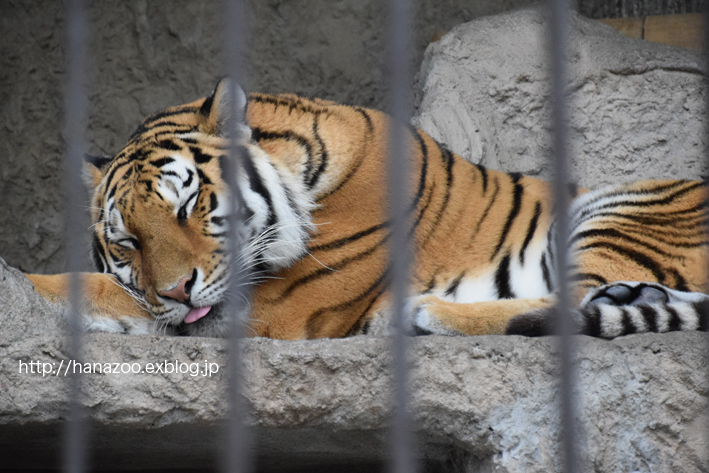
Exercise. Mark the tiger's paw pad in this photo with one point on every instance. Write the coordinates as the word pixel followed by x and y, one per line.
pixel 624 293
pixel 639 293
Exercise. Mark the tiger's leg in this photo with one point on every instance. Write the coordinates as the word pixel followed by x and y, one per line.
pixel 433 315
pixel 107 306
pixel 622 308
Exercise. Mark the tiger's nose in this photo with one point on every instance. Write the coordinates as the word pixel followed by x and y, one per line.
pixel 181 292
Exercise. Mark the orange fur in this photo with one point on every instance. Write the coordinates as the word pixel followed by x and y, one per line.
pixel 465 220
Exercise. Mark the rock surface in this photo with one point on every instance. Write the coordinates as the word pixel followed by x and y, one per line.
pixel 636 107
pixel 146 56
pixel 480 404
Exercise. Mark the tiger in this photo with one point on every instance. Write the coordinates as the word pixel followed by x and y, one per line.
pixel 312 184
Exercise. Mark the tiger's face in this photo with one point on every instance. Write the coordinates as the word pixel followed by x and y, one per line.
pixel 160 212
pixel 160 224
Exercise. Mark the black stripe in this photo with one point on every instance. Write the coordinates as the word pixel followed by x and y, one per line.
pixel 702 311
pixel 650 316
pixel 258 186
pixel 98 254
pixel 206 107
pixel 169 113
pixel 422 211
pixel 213 202
pixel 489 206
pixel 638 258
pixel 679 282
pixel 454 284
pixel 152 121
pixel 363 155
pixel 532 227
pixel 514 211
pixel 367 118
pixel 615 234
pixel 323 155
pixel 592 318
pixel 596 211
pixel 545 273
pixel 502 279
pixel 169 145
pixel 483 173
pixel 289 102
pixel 319 273
pixel 429 286
pixel 111 175
pixel 343 241
pixel 344 305
pixel 424 167
pixel 675 324
pixel 365 327
pixel 199 156
pixel 98 161
pixel 448 160
pixel 583 276
pixel 190 176
pixel 203 178
pixel 628 325
pixel 259 135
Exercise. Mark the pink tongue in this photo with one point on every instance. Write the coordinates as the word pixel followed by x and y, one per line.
pixel 197 313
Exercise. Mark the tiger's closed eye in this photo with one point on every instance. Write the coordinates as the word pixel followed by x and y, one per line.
pixel 129 242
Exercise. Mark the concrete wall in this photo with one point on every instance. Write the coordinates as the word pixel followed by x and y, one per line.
pixel 149 55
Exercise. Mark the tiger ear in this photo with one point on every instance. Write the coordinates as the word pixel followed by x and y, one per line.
pixel 217 110
pixel 94 169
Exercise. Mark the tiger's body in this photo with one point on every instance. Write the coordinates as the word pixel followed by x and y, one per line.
pixel 314 190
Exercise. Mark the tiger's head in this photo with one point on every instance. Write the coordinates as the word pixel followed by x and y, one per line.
pixel 160 212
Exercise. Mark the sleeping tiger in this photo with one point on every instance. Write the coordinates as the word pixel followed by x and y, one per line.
pixel 313 186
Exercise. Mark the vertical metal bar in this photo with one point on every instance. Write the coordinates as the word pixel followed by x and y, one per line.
pixel 236 453
pixel 559 42
pixel 400 254
pixel 75 117
pixel 705 53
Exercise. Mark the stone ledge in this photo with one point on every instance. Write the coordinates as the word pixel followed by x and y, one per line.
pixel 479 403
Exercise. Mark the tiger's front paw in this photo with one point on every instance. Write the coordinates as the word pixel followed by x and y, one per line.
pixel 421 318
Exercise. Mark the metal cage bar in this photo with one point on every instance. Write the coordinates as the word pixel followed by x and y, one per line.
pixel 705 51
pixel 236 455
pixel 399 249
pixel 559 42
pixel 75 451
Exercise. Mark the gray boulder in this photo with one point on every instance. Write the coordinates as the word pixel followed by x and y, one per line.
pixel 480 404
pixel 636 107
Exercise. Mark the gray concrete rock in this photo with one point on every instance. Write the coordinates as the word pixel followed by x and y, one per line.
pixel 480 404
pixel 636 107
pixel 146 56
